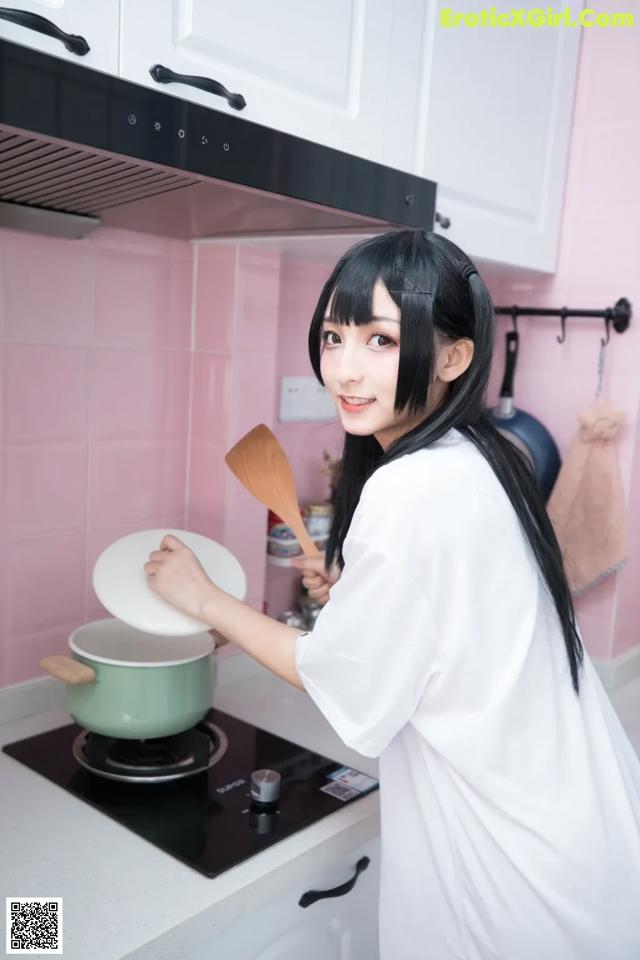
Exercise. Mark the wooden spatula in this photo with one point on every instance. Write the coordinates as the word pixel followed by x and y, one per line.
pixel 261 465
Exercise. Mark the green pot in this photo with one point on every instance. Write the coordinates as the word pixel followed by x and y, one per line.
pixel 122 682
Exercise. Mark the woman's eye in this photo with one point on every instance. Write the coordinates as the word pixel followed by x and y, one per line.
pixel 383 341
pixel 381 336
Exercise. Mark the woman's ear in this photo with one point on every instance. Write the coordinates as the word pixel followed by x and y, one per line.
pixel 454 358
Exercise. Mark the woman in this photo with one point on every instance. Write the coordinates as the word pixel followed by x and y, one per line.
pixel 510 795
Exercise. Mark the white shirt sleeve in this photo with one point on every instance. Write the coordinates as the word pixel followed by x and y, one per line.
pixel 372 651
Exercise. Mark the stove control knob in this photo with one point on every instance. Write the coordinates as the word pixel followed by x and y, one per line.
pixel 265 786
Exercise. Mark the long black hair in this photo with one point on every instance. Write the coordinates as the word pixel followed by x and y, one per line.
pixel 437 288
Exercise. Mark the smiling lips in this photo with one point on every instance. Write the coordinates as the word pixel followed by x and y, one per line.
pixel 354 403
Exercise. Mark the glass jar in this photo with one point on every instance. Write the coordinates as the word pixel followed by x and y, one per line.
pixel 318 519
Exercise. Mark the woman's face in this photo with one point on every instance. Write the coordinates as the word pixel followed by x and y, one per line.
pixel 359 366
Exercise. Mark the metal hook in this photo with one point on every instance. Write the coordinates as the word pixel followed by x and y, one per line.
pixel 601 356
pixel 563 321
pixel 607 323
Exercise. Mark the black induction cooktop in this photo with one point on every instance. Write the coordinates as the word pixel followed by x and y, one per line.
pixel 207 820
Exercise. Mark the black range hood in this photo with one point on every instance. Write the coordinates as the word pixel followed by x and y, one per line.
pixel 79 148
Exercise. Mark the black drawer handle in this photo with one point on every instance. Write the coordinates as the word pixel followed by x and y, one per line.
pixel 312 895
pixel 164 75
pixel 32 21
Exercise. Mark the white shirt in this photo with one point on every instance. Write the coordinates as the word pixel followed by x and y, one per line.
pixel 510 807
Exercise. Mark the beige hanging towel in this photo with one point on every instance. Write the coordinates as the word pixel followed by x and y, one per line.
pixel 586 506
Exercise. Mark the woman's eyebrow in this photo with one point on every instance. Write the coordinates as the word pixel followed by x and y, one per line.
pixel 373 319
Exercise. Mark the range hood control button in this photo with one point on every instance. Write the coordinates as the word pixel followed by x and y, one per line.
pixel 265 786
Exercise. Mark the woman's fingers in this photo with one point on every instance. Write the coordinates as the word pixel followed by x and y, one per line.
pixel 313 580
pixel 310 565
pixel 318 591
pixel 319 596
pixel 315 577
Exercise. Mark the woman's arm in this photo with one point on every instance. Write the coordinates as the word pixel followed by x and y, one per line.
pixel 268 641
pixel 176 575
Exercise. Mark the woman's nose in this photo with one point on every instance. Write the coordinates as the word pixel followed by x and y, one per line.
pixel 348 366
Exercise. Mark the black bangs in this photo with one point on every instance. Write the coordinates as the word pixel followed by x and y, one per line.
pixel 400 260
pixel 351 283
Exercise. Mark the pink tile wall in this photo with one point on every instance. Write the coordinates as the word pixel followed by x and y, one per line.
pixel 234 382
pixel 598 263
pixel 116 417
pixel 94 364
pixel 301 286
pixel 252 314
pixel 304 442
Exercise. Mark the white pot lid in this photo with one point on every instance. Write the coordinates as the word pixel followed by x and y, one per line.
pixel 121 586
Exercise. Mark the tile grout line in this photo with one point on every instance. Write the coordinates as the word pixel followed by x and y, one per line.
pixel 91 398
pixel 195 261
pixel 230 394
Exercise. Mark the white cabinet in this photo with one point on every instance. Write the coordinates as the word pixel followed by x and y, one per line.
pixel 337 928
pixel 493 112
pixel 485 112
pixel 326 72
pixel 95 21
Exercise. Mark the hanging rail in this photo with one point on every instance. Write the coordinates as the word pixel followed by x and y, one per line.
pixel 619 316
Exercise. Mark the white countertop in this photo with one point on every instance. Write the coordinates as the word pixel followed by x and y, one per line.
pixel 124 897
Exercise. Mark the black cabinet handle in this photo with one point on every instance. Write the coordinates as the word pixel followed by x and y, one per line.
pixel 32 21
pixel 312 895
pixel 164 75
pixel 444 222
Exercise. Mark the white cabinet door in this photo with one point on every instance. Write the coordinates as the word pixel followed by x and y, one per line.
pixel 493 126
pixel 337 928
pixel 94 20
pixel 322 71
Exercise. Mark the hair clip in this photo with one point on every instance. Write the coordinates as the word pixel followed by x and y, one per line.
pixel 467 270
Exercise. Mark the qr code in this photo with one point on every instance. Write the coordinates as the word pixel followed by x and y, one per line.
pixel 34 925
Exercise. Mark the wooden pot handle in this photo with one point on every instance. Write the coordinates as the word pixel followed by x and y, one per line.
pixel 68 669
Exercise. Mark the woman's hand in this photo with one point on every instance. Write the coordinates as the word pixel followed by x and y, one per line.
pixel 175 574
pixel 315 578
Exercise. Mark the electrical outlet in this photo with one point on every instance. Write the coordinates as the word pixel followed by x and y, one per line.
pixel 303 398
